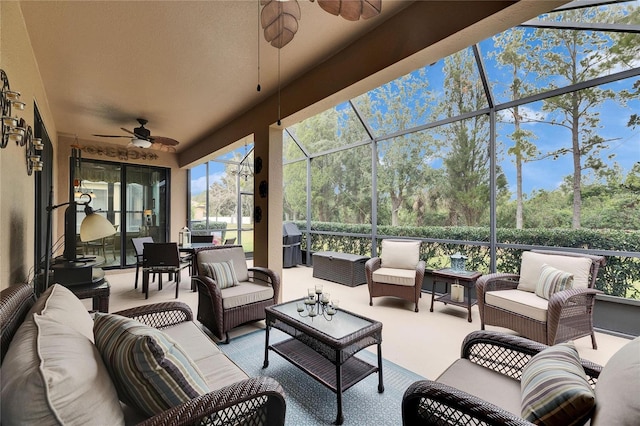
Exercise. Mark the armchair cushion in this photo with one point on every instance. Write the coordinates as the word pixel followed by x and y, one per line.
pixel 531 268
pixel 222 272
pixel 552 280
pixel 245 293
pixel 234 254
pixel 149 369
pixel 406 277
pixel 400 254
pixel 555 389
pixel 519 302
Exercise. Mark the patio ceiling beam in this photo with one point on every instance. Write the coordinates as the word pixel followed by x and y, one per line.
pixel 582 26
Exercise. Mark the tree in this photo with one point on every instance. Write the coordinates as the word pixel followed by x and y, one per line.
pixel 573 57
pixel 514 48
pixel 399 105
pixel 466 158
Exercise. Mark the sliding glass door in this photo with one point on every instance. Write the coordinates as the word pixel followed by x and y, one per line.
pixel 133 198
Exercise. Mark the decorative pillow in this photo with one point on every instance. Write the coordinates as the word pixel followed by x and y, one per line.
pixel 618 388
pixel 52 374
pixel 222 272
pixel 60 304
pixel 151 372
pixel 552 280
pixel 400 254
pixel 555 389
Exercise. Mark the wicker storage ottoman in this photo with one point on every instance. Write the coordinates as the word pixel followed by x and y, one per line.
pixel 343 268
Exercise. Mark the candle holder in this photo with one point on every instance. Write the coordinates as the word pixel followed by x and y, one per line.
pixel 316 304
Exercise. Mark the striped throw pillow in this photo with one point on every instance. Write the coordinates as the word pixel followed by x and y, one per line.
pixel 555 390
pixel 150 371
pixel 552 280
pixel 222 273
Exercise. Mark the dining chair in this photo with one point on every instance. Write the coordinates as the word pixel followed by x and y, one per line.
pixel 161 258
pixel 138 246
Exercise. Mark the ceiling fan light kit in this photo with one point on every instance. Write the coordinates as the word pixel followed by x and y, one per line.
pixel 141 143
pixel 142 138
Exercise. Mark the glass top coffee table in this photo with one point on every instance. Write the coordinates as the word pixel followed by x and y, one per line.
pixel 325 349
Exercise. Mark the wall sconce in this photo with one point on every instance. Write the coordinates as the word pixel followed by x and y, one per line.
pixel 16 129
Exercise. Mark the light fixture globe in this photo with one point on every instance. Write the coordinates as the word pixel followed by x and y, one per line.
pixel 140 143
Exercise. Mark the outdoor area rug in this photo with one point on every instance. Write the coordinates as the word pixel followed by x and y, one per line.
pixel 311 403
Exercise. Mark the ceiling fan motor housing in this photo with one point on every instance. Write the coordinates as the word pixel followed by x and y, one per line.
pixel 142 132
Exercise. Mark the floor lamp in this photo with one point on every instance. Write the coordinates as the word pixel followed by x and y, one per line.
pixel 93 227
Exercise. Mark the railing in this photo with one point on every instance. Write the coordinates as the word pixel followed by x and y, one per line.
pixel 620 277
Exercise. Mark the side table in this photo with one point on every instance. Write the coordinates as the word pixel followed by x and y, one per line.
pixel 99 292
pixel 448 276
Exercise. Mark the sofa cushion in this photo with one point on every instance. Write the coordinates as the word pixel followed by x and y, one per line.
pixel 552 280
pixel 52 374
pixel 475 380
pixel 520 302
pixel 618 388
pixel 406 277
pixel 222 273
pixel 60 304
pixel 555 389
pixel 218 370
pixel 234 254
pixel 531 267
pixel 245 293
pixel 400 254
pixel 151 372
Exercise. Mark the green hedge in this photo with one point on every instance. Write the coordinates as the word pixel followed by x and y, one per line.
pixel 620 277
pixel 201 229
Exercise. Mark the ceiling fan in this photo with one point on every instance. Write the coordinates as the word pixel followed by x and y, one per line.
pixel 142 138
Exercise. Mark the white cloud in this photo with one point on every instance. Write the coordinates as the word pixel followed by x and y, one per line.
pixel 527 114
pixel 200 184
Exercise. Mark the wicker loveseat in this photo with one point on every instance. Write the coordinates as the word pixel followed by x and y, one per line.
pixel 502 379
pixel 68 381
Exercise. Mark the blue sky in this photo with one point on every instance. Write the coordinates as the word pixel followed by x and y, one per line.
pixel 548 174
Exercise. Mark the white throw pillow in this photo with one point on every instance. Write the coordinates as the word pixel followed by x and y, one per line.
pixel 399 254
pixel 60 304
pixel 52 374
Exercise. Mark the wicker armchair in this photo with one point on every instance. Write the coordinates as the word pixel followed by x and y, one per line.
pixel 480 388
pixel 506 300
pixel 221 310
pixel 398 272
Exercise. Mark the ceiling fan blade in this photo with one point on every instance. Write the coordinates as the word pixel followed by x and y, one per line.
pixel 161 147
pixel 164 140
pixel 112 136
pixel 128 131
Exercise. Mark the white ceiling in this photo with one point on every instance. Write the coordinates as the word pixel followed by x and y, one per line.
pixel 186 66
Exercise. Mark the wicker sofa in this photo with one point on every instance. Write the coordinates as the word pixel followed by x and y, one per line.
pixel 488 385
pixel 67 381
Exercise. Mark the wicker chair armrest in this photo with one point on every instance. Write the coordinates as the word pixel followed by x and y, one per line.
pixel 505 353
pixel 372 264
pixel 427 402
pixel 497 281
pixel 160 315
pixel 268 276
pixel 572 296
pixel 509 354
pixel 258 400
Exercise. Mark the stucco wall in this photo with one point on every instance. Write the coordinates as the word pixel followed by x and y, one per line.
pixel 17 200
